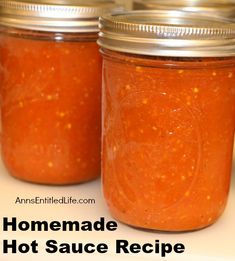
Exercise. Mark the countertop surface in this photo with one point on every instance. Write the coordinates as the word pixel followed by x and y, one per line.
pixel 211 244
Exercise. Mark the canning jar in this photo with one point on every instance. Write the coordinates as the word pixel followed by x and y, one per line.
pixel 224 8
pixel 51 89
pixel 168 118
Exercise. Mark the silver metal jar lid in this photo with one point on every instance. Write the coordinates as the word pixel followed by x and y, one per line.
pixel 55 15
pixel 225 8
pixel 167 33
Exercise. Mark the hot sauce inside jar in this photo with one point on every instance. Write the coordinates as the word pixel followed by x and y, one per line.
pixel 51 90
pixel 169 118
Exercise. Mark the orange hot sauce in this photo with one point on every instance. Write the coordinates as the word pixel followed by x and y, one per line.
pixel 167 140
pixel 51 109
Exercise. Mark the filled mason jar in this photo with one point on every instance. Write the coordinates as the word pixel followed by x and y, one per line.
pixel 224 8
pixel 168 118
pixel 51 89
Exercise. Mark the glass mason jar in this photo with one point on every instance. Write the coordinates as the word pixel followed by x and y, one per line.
pixel 51 89
pixel 224 8
pixel 168 118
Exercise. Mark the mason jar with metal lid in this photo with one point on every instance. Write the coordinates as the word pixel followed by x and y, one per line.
pixel 225 8
pixel 168 117
pixel 51 89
